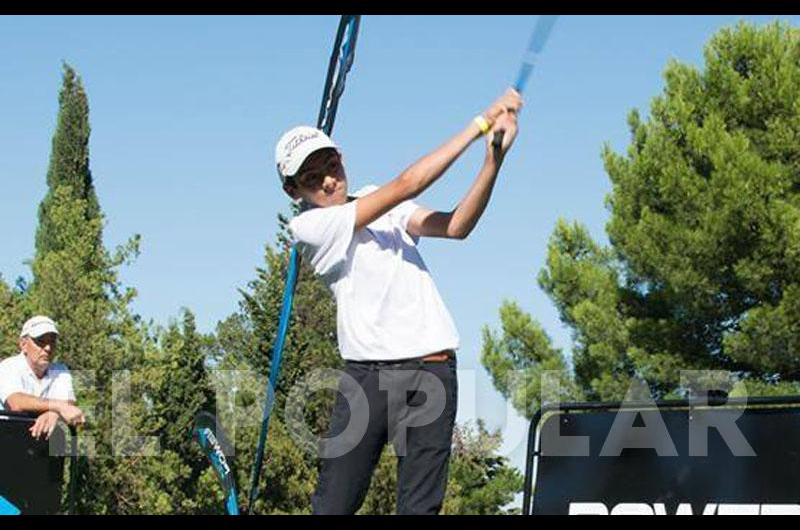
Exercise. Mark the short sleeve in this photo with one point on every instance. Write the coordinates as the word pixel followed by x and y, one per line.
pixel 403 212
pixel 62 386
pixel 400 214
pixel 10 381
pixel 324 235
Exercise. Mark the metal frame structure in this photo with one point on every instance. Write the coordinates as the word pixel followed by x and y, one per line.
pixel 533 451
pixel 73 452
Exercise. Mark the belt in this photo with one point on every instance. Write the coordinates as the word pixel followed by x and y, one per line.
pixel 438 357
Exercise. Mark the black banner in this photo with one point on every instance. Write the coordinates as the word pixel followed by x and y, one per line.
pixel 30 478
pixel 662 462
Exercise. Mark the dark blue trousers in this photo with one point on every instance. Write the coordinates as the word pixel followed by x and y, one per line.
pixel 411 404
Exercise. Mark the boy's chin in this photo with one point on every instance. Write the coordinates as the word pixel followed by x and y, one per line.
pixel 335 199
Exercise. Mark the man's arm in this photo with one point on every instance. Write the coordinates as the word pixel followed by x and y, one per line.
pixel 21 402
pixel 49 411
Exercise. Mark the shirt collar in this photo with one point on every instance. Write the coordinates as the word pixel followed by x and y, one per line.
pixel 30 370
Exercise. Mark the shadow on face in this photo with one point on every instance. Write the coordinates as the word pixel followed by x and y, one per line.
pixel 39 350
pixel 321 180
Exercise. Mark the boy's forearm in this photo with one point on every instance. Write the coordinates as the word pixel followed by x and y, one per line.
pixel 415 179
pixel 427 169
pixel 471 208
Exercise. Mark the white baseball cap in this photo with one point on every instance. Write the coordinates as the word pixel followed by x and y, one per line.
pixel 296 145
pixel 37 326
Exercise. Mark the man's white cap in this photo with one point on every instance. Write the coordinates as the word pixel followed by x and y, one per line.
pixel 37 326
pixel 296 145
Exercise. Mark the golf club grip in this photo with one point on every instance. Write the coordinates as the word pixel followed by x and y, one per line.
pixel 497 141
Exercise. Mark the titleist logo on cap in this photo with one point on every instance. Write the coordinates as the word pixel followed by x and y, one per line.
pixel 292 144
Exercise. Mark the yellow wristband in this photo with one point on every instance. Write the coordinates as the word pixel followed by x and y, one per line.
pixel 482 124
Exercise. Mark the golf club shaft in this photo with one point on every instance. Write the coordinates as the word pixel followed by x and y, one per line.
pixel 538 39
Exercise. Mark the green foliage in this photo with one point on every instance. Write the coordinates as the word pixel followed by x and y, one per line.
pixel 75 282
pixel 69 164
pixel 12 315
pixel 481 481
pixel 520 357
pixel 244 342
pixel 703 270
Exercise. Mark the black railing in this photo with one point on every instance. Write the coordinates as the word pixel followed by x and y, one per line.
pixel 27 418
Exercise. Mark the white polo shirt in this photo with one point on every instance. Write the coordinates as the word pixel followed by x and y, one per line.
pixel 387 306
pixel 16 376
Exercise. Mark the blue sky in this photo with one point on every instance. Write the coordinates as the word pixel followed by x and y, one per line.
pixel 185 112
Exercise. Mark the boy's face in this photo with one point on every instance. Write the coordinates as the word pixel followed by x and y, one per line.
pixel 321 180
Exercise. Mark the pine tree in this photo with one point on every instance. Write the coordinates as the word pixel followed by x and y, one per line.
pixel 69 165
pixel 75 282
pixel 703 270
